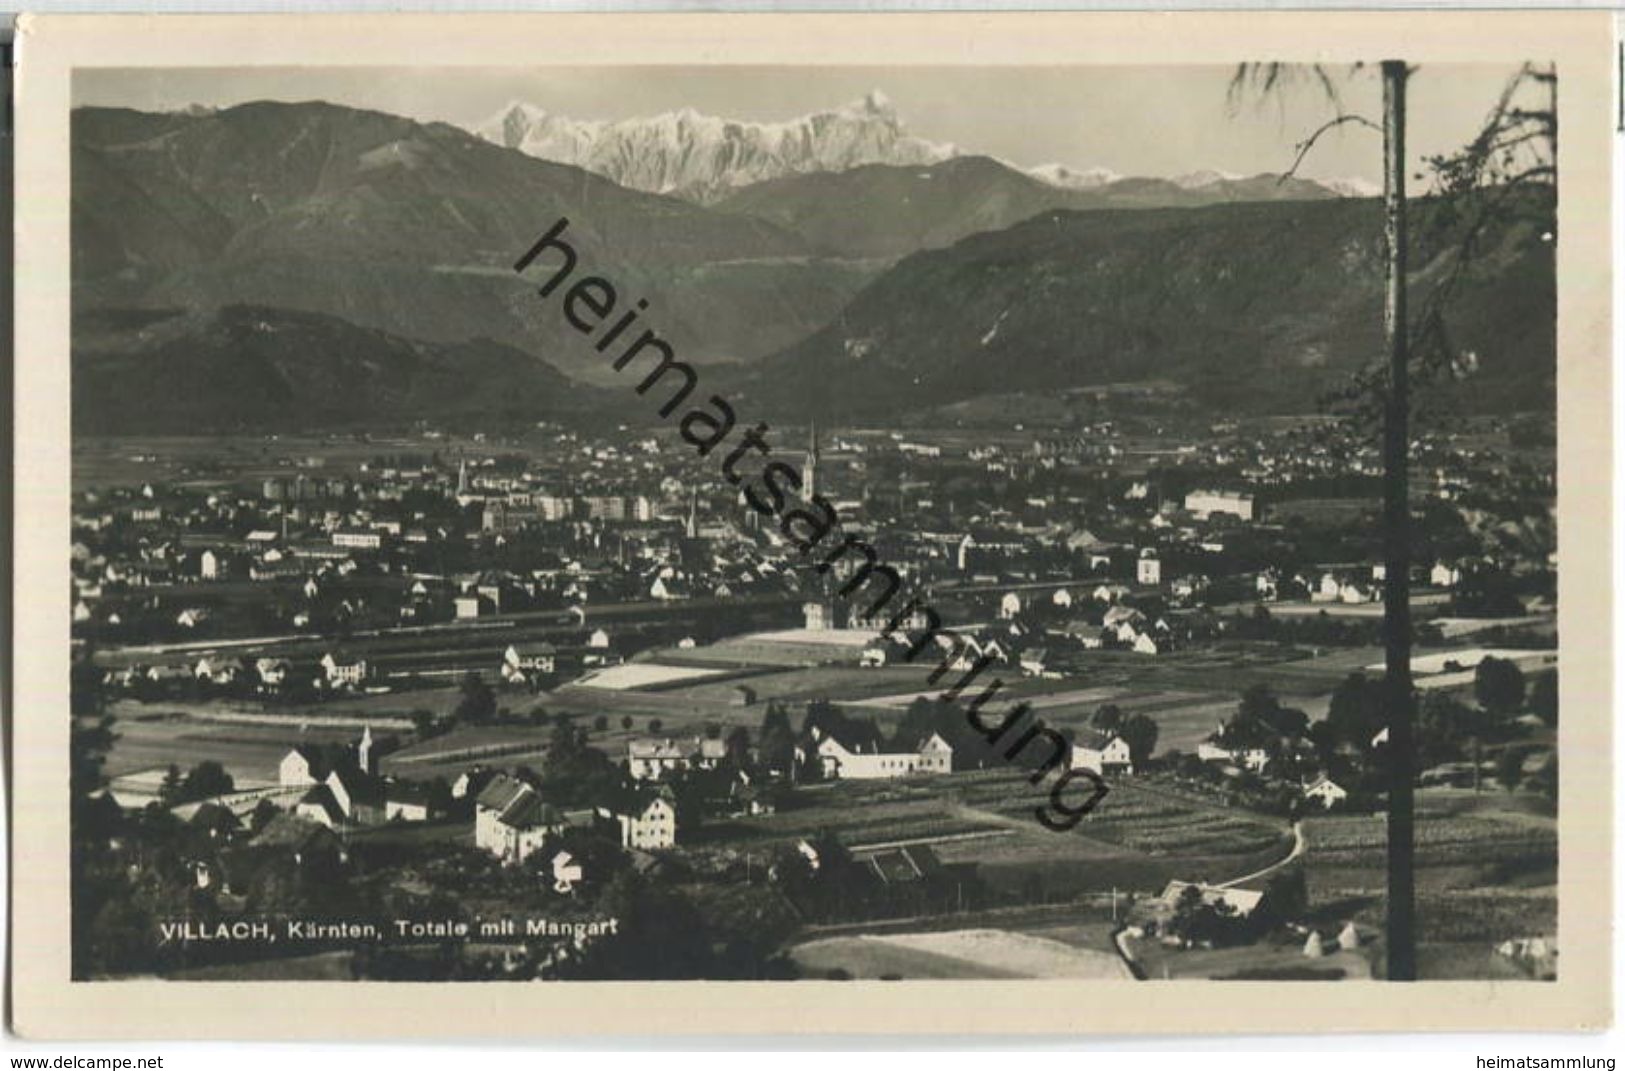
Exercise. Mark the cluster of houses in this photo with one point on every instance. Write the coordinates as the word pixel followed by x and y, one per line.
pixel 1319 790
pixel 636 525
pixel 348 791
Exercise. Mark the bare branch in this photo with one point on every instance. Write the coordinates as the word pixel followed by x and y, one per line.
pixel 1303 147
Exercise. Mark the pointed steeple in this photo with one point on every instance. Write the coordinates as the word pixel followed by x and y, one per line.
pixel 363 750
pixel 809 468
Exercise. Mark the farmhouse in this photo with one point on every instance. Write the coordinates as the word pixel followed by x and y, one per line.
pixel 1243 901
pixel 526 662
pixel 347 796
pixel 864 761
pixel 358 538
pixel 1326 792
pixel 647 819
pixel 1252 759
pixel 343 670
pixel 298 767
pixel 407 801
pixel 1102 753
pixel 651 759
pixel 1203 504
pixel 511 820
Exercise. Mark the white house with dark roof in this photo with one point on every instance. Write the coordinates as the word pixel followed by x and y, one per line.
pixel 853 761
pixel 1325 791
pixel 525 662
pixel 298 767
pixel 1102 753
pixel 359 795
pixel 649 759
pixel 343 670
pixel 511 820
pixel 647 820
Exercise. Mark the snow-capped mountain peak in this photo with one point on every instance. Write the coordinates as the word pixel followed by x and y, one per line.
pixel 1072 179
pixel 1352 187
pixel 703 157
pixel 1195 180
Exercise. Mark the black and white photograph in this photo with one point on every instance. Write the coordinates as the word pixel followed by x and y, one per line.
pixel 788 523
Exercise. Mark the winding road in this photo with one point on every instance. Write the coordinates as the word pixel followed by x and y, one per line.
pixel 1299 846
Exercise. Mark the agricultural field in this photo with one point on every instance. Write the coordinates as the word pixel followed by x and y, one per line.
pixel 1135 840
pixel 977 953
pixel 632 675
pixel 1274 960
pixel 248 752
pixel 447 756
pixel 1486 869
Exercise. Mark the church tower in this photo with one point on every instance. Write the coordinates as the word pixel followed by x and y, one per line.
pixel 363 751
pixel 809 467
pixel 462 476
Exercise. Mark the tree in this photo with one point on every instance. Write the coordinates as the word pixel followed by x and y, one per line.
pixel 1357 712
pixel 423 724
pixel 476 703
pixel 738 745
pixel 655 725
pixel 206 780
pixel 1544 779
pixel 600 723
pixel 1498 686
pixel 1509 767
pixel 264 811
pixel 1197 920
pixel 1258 703
pixel 1140 733
pixel 1108 719
pixel 564 745
pixel 626 722
pixel 1543 698
pixel 1395 400
pixel 88 744
pixel 777 739
pixel 1443 725
pixel 169 792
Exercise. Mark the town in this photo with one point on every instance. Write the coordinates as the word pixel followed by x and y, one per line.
pixel 450 674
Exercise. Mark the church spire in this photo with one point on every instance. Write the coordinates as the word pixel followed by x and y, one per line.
pixel 809 468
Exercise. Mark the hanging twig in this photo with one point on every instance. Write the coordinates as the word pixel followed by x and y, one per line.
pixel 1306 145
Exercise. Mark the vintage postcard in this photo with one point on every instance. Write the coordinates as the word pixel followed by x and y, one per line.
pixel 812 523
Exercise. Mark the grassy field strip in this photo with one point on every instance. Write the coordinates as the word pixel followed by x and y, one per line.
pixel 957 954
pixel 945 838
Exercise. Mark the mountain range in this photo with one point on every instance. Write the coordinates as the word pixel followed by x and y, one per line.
pixel 251 368
pixel 881 210
pixel 1256 307
pixel 413 229
pixel 705 158
pixel 223 259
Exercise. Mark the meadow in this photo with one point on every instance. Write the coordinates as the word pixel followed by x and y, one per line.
pixel 1486 868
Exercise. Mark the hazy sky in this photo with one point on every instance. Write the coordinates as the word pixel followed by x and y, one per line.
pixel 1134 120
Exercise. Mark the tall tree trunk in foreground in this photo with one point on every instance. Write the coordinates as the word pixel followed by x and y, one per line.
pixel 1401 942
